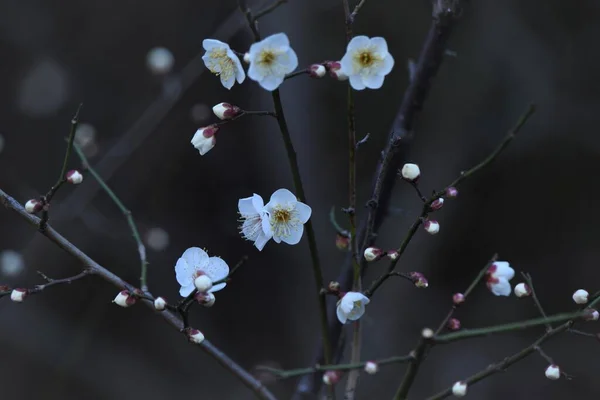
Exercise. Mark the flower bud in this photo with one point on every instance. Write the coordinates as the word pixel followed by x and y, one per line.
pixel 247 58
pixel 342 242
pixel 335 71
pixel 334 286
pixel 205 299
pixel 124 299
pixel 317 71
pixel 427 333
pixel 18 295
pixel 74 177
pixel 205 139
pixel 226 110
pixel 459 389
pixel 437 204
pixel 203 283
pixel 580 296
pixel 432 227
pixel 410 172
pixel 32 206
pixel 451 192
pixel 160 303
pixel 522 290
pixel 371 367
pixel 393 255
pixel 553 372
pixel 590 314
pixel 195 336
pixel 419 279
pixel 453 324
pixel 458 298
pixel 330 378
pixel 372 254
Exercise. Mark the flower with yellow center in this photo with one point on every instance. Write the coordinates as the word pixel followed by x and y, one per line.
pixel 222 61
pixel 195 262
pixel 367 62
pixel 255 222
pixel 270 60
pixel 351 306
pixel 286 217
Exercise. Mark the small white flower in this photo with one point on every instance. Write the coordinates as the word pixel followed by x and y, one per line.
pixel 411 172
pixel 351 306
pixel 205 139
pixel 32 206
pixel 203 283
pixel 74 177
pixel 222 61
pixel 580 296
pixel 553 372
pixel 367 62
pixel 226 110
pixel 371 367
pixel 18 295
pixel 255 221
pixel 195 262
pixel 287 216
pixel 270 60
pixel 498 277
pixel 522 290
pixel 124 299
pixel 160 60
pixel 195 336
pixel 432 227
pixel 160 303
pixel 459 389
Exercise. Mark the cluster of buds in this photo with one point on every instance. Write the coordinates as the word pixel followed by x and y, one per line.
pixel 226 111
pixel 418 279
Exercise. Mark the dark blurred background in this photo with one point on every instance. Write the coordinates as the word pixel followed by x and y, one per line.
pixel 536 206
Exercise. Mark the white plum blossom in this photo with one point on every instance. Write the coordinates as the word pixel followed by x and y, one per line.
pixel 498 277
pixel 255 221
pixel 367 62
pixel 287 217
pixel 205 139
pixel 410 172
pixel 222 61
pixel 270 60
pixel 195 262
pixel 351 306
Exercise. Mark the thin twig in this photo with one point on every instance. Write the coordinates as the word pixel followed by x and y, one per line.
pixel 128 216
pixel 246 378
pixel 244 113
pixel 536 301
pixel 269 8
pixel 341 231
pixel 297 73
pixel 411 371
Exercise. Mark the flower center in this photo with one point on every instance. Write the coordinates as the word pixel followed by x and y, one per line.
pixel 283 220
pixel 267 57
pixel 220 64
pixel 282 216
pixel 366 58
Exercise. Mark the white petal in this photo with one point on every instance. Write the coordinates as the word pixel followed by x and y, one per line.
pixel 277 239
pixel 217 287
pixel 346 65
pixel 387 65
pixel 266 225
pixel 216 269
pixel 240 75
pixel 282 196
pixel 304 212
pixel 289 61
pixel 186 290
pixel 373 81
pixel 256 72
pixel 295 235
pixel 271 82
pixel 379 44
pixel 195 257
pixel 258 203
pixel 357 313
pixel 210 44
pixel 246 206
pixel 183 273
pixel 261 241
pixel 502 288
pixel 227 82
pixel 276 40
pixel 340 314
pixel 351 297
pixel 365 300
pixel 357 43
pixel 503 270
pixel 356 82
pixel 347 303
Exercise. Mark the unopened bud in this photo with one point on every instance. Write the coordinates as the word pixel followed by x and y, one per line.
pixel 419 280
pixel 124 299
pixel 553 372
pixel 160 303
pixel 205 139
pixel 427 333
pixel 451 192
pixel 32 206
pixel 195 336
pixel 203 283
pixel 372 254
pixel 437 204
pixel 453 324
pixel 432 227
pixel 334 286
pixel 342 242
pixel 371 367
pixel 205 299
pixel 580 296
pixel 393 255
pixel 18 295
pixel 226 110
pixel 590 314
pixel 330 378
pixel 410 172
pixel 458 298
pixel 335 71
pixel 74 177
pixel 522 290
pixel 459 389
pixel 317 71
pixel 247 58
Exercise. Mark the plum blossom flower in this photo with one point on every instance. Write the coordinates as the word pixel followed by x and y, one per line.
pixel 270 60
pixel 351 306
pixel 222 61
pixel 367 62
pixel 287 217
pixel 255 221
pixel 205 139
pixel 195 262
pixel 498 277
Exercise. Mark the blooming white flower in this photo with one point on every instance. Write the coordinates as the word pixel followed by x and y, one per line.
pixel 222 61
pixel 195 262
pixel 351 306
pixel 255 221
pixel 552 372
pixel 580 296
pixel 522 290
pixel 270 60
pixel 287 216
pixel 367 62
pixel 410 172
pixel 371 367
pixel 205 139
pixel 498 277
pixel 459 389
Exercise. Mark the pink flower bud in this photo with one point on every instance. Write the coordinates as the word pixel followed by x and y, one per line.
pixel 410 172
pixel 453 324
pixel 451 192
pixel 342 242
pixel 317 71
pixel 18 295
pixel 437 204
pixel 393 255
pixel 74 177
pixel 160 303
pixel 458 298
pixel 590 314
pixel 372 254
pixel 33 206
pixel 195 336
pixel 419 279
pixel 432 227
pixel 330 378
pixel 124 299
pixel 522 290
pixel 205 299
pixel 371 367
pixel 226 111
pixel 333 287
pixel 205 139
pixel 335 71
